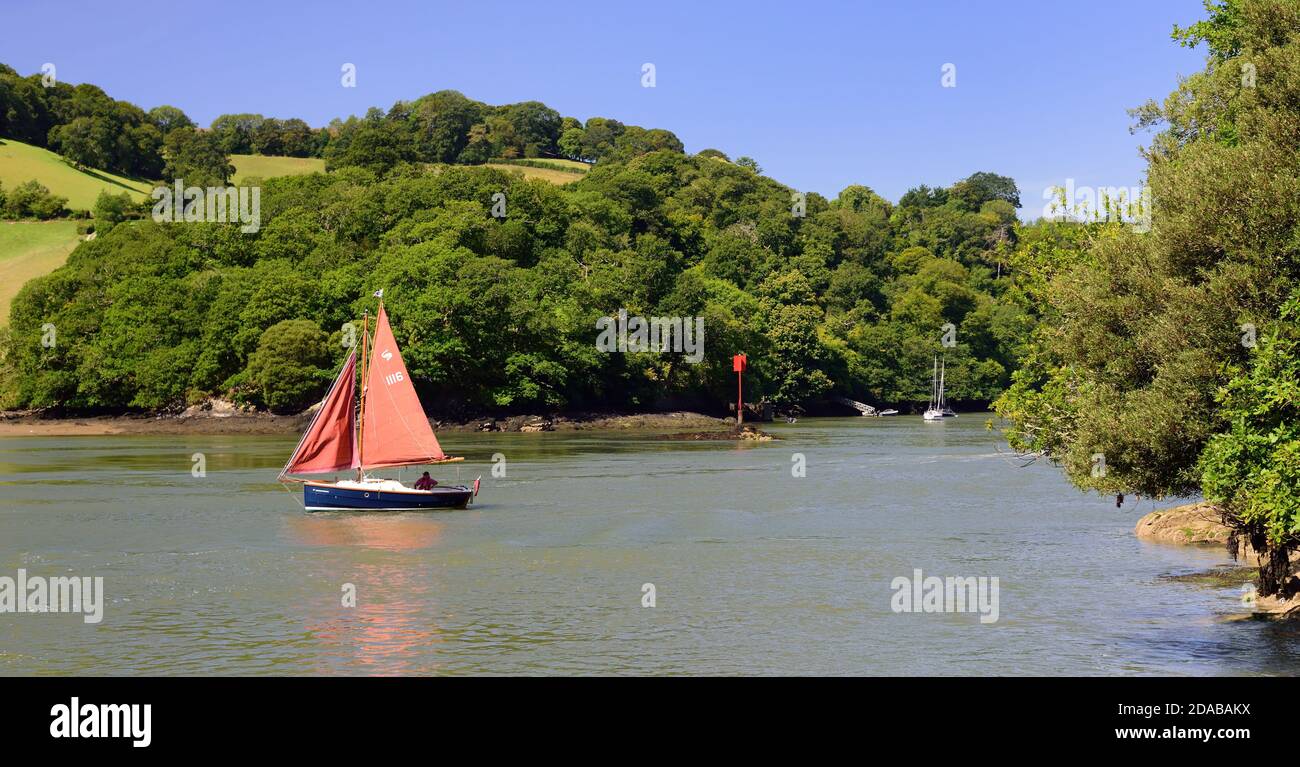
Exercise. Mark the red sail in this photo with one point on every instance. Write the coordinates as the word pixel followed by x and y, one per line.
pixel 395 431
pixel 330 443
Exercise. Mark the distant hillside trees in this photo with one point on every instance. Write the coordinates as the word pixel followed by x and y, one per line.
pixel 446 127
pixel 255 134
pixel 196 158
pixel 83 123
pixel 92 130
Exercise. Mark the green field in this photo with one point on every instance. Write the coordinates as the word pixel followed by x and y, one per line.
pixel 562 163
pixel 21 162
pixel 29 249
pixel 546 174
pixel 258 166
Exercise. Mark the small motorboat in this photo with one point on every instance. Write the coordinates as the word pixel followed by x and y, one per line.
pixel 387 428
pixel 888 411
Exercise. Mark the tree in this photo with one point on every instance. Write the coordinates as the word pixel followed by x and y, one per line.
pixel 168 118
pixel 1252 469
pixel 297 138
pixel 536 125
pixel 440 123
pixel 111 210
pixel 979 188
pixel 571 143
pixel 235 132
pixel 291 365
pixel 196 158
pixel 86 141
pixel 376 146
pixel 923 197
pixel 1146 328
pixel 31 199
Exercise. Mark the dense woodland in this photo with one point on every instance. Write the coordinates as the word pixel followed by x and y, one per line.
pixel 828 297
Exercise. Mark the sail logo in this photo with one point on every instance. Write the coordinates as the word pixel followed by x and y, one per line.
pixel 90 720
pixel 213 205
pixel 38 594
pixel 387 355
pixel 933 594
pixel 678 335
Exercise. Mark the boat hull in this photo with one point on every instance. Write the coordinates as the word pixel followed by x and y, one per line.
pixel 327 497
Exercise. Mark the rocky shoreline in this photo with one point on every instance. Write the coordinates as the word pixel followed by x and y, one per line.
pixel 1198 524
pixel 219 417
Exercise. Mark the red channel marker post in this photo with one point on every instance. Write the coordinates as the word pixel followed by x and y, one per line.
pixel 738 364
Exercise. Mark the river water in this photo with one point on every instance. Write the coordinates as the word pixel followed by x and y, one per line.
pixel 755 570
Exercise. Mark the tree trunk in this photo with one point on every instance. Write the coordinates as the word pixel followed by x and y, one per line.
pixel 1275 572
pixel 1274 559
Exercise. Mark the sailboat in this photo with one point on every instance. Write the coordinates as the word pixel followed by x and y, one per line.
pixel 938 408
pixel 387 428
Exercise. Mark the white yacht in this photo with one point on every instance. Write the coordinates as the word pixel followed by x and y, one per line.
pixel 938 408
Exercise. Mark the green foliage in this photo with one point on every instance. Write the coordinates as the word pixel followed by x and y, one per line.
pixel 499 313
pixel 980 188
pixel 197 158
pixel 31 199
pixel 289 369
pixel 82 123
pixel 1252 468
pixel 1222 31
pixel 1143 331
pixel 111 210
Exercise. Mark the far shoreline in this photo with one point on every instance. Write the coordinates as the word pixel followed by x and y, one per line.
pixel 227 421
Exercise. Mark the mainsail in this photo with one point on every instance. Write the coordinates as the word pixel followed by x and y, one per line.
pixel 330 441
pixel 395 431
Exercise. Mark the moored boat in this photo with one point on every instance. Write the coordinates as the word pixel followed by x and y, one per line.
pixel 382 427
pixel 938 408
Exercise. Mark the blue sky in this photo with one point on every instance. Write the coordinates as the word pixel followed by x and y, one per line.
pixel 822 94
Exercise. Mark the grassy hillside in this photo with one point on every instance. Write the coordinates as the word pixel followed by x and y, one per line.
pixel 29 249
pixel 21 162
pixel 253 165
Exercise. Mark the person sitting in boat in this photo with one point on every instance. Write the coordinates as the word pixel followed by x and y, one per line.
pixel 425 482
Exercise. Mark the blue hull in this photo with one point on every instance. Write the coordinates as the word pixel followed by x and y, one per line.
pixel 331 498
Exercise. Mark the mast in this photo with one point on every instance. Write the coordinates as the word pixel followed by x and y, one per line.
pixel 934 382
pixel 942 370
pixel 361 419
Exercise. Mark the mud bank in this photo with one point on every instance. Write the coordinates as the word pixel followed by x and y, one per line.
pixel 221 418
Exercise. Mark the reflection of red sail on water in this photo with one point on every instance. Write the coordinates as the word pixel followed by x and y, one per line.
pixel 394 620
pixel 404 532
pixel 382 427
